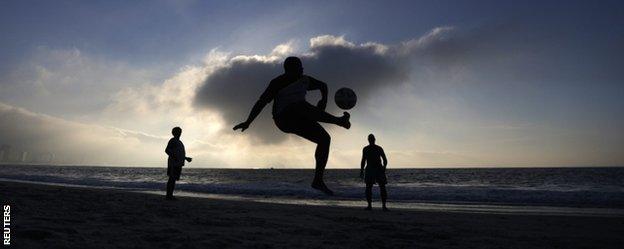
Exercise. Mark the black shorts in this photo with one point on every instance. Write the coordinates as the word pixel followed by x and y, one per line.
pixel 375 175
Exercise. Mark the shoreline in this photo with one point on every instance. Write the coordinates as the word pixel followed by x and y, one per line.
pixel 45 216
pixel 597 189
pixel 487 208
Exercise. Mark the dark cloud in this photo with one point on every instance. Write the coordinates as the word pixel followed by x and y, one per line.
pixel 233 89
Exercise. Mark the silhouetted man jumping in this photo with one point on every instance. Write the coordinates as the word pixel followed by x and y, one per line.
pixel 293 114
pixel 372 155
pixel 177 154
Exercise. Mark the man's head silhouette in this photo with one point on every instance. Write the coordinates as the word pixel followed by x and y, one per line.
pixel 371 138
pixel 176 132
pixel 293 66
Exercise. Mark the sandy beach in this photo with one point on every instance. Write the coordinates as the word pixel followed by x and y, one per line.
pixel 45 216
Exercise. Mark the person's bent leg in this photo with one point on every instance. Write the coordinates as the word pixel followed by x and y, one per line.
pixel 313 113
pixel 369 196
pixel 313 131
pixel 321 155
pixel 170 187
pixel 384 195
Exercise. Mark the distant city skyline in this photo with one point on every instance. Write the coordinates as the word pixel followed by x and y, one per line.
pixel 10 155
pixel 439 83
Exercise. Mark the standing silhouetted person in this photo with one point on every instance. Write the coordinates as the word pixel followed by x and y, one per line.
pixel 372 156
pixel 177 155
pixel 293 114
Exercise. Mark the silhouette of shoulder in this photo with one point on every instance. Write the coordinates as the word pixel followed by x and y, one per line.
pixel 170 145
pixel 372 154
pixel 372 147
pixel 372 150
pixel 274 87
pixel 174 142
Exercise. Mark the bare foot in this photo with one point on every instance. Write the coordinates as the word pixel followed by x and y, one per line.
pixel 319 185
pixel 345 120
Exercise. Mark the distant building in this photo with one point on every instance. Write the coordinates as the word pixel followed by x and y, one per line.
pixel 9 154
pixel 44 158
pixel 4 152
pixel 24 157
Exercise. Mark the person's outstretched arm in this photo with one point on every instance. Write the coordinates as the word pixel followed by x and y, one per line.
pixel 265 98
pixel 319 85
pixel 362 164
pixel 383 157
pixel 257 108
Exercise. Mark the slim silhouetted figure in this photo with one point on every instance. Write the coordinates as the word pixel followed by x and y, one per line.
pixel 177 155
pixel 293 114
pixel 372 156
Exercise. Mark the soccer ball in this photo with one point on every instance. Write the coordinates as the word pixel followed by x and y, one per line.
pixel 345 98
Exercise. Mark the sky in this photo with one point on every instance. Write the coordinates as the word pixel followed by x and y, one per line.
pixel 439 83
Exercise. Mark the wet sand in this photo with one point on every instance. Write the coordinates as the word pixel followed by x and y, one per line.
pixel 45 216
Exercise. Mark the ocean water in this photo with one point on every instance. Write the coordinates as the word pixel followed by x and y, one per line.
pixel 551 187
